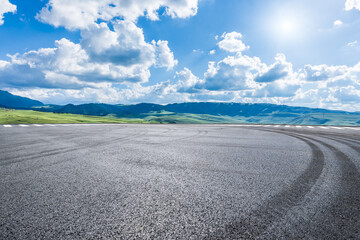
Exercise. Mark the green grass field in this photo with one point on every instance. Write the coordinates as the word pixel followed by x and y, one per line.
pixel 9 116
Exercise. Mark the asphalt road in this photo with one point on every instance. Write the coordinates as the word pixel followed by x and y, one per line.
pixel 114 181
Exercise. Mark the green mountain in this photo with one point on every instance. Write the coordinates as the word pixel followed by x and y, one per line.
pixel 210 112
pixel 195 112
pixel 12 101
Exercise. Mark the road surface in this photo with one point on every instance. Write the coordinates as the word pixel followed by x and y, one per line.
pixel 114 181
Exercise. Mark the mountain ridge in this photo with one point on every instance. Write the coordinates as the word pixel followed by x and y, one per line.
pixel 9 100
pixel 200 112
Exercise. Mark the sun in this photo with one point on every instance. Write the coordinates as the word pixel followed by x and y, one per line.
pixel 286 26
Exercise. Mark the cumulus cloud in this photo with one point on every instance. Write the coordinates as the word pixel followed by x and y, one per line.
pixel 187 81
pixel 243 78
pixel 353 44
pixel 231 73
pixel 352 4
pixel 232 42
pixel 242 73
pixel 111 59
pixel 323 72
pixel 164 56
pixel 277 89
pixel 104 94
pixel 124 46
pixel 6 7
pixel 79 14
pixel 337 23
pixel 347 94
pixel 111 62
pixel 278 70
pixel 124 58
pixel 114 51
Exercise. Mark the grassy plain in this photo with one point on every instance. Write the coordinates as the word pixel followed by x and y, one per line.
pixel 9 116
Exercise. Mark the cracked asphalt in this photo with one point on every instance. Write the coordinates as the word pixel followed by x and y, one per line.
pixel 124 181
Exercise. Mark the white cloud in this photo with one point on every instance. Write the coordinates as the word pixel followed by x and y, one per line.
pixel 231 73
pixel 79 14
pixel 348 94
pixel 335 87
pixel 282 89
pixel 243 78
pixel 124 46
pixel 164 56
pixel 103 94
pixel 338 23
pixel 353 44
pixel 212 52
pixel 323 72
pixel 281 69
pixel 352 4
pixel 119 56
pixel 187 81
pixel 232 42
pixel 6 7
pixel 199 51
pixel 111 52
pixel 110 65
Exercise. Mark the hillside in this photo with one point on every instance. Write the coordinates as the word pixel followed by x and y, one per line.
pixel 195 112
pixel 12 101
pixel 9 116
pixel 205 112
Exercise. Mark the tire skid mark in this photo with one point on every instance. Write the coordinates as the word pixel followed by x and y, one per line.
pixel 10 161
pixel 348 139
pixel 13 148
pixel 42 166
pixel 350 143
pixel 343 217
pixel 275 208
pixel 348 136
pixel 241 146
pixel 116 140
pixel 198 134
pixel 10 148
pixel 344 214
pixel 7 161
pixel 48 154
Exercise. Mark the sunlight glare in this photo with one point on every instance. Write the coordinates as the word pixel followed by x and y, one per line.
pixel 287 26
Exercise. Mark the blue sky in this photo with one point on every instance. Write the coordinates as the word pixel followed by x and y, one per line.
pixel 303 53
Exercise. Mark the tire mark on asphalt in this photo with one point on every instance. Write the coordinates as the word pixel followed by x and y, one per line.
pixel 42 154
pixel 42 165
pixel 198 134
pixel 354 141
pixel 8 161
pixel 342 220
pixel 10 148
pixel 276 207
pixel 348 136
pixel 344 213
pixel 23 170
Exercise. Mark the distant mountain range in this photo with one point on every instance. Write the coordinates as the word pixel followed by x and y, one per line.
pixel 211 108
pixel 12 101
pixel 195 112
